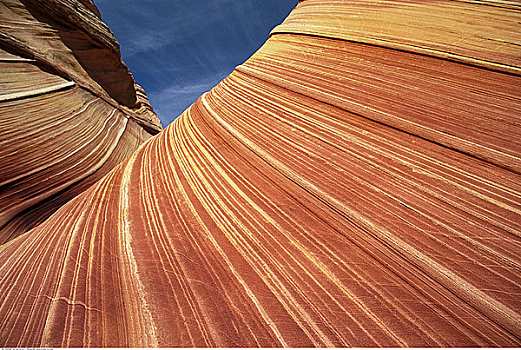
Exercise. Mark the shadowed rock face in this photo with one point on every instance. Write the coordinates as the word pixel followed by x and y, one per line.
pixel 334 190
pixel 69 111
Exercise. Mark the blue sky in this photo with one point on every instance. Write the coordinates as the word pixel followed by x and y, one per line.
pixel 178 49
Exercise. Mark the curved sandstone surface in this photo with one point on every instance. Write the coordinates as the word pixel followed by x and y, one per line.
pixel 329 192
pixel 60 130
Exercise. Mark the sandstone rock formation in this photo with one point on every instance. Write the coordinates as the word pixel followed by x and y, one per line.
pixel 69 111
pixel 354 183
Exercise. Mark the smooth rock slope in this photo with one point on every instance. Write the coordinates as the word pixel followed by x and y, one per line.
pixel 69 108
pixel 355 183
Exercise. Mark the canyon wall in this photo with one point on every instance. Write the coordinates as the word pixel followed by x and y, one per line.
pixel 356 182
pixel 70 110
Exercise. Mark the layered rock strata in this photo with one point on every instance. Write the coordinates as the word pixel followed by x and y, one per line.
pixel 69 111
pixel 331 191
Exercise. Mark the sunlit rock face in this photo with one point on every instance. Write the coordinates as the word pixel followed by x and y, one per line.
pixel 354 183
pixel 69 110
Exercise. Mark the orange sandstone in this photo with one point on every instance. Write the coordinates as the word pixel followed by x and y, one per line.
pixel 337 189
pixel 69 110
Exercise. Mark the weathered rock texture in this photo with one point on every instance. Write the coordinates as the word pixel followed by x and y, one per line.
pixel 336 189
pixel 69 111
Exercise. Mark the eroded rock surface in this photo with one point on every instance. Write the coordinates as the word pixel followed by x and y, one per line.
pixel 69 111
pixel 331 191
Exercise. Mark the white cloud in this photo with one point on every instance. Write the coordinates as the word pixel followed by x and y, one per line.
pixel 171 101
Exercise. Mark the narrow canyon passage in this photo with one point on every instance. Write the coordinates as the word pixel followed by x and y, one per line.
pixel 348 185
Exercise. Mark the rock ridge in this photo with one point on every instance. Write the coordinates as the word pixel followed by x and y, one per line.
pixel 69 108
